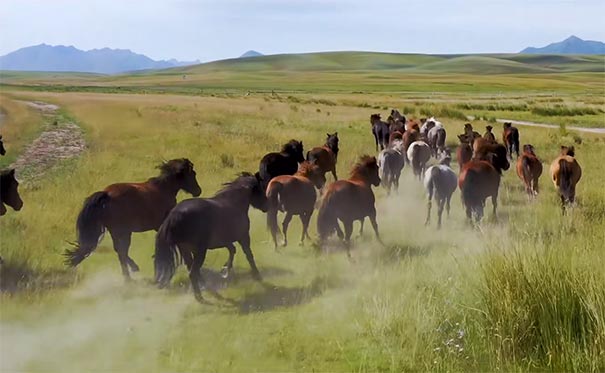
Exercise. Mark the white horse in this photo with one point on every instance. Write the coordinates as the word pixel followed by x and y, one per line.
pixel 419 154
pixel 440 181
pixel 391 162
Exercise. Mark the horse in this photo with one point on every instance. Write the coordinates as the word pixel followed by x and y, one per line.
pixel 9 191
pixel 2 149
pixel 529 169
pixel 480 179
pixel 197 225
pixel 427 125
pixel 565 172
pixel 395 135
pixel 510 137
pixel 470 133
pixel 125 208
pixel 349 200
pixel 380 130
pixel 397 116
pixel 282 163
pixel 489 135
pixel 409 136
pixel 326 156
pixel 464 152
pixel 294 195
pixel 391 162
pixel 440 181
pixel 419 154
pixel 436 138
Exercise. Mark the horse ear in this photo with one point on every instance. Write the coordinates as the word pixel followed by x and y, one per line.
pixel 335 133
pixel 11 172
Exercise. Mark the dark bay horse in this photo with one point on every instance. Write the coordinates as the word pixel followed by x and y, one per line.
pixel 9 191
pixel 480 179
pixel 440 182
pixel 470 134
pixel 464 152
pixel 396 123
pixel 294 195
pixel 489 135
pixel 282 163
pixel 436 139
pixel 326 156
pixel 529 169
pixel 565 172
pixel 391 162
pixel 197 225
pixel 349 200
pixel 510 137
pixel 2 150
pixel 130 207
pixel 380 130
pixel 397 116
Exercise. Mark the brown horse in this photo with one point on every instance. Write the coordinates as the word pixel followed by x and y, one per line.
pixel 510 137
pixel 326 156
pixel 130 207
pixel 565 172
pixel 529 169
pixel 349 200
pixel 411 135
pixel 9 191
pixel 294 195
pixel 480 179
pixel 464 152
pixel 396 135
pixel 489 135
pixel 470 133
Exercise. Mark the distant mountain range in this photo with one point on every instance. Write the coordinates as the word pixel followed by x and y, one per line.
pixel 251 53
pixel 571 45
pixel 45 57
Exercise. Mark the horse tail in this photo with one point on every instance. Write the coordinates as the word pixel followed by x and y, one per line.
pixel 166 256
pixel 430 182
pixel 526 165
pixel 466 191
pixel 326 217
pixel 273 191
pixel 565 180
pixel 90 228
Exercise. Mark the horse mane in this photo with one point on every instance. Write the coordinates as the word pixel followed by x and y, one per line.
pixel 172 168
pixel 307 168
pixel 291 145
pixel 365 162
pixel 243 179
pixel 528 148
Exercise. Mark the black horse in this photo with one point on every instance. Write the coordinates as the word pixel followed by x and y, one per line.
pixel 9 192
pixel 510 137
pixel 197 225
pixel 282 163
pixel 380 130
pixel 2 150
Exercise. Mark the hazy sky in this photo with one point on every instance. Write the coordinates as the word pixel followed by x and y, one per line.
pixel 217 29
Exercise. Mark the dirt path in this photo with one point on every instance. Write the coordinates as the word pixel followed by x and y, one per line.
pixel 60 141
pixel 545 125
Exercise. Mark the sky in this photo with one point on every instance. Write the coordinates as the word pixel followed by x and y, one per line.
pixel 216 29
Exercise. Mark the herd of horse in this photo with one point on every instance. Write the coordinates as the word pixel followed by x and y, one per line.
pixel 294 183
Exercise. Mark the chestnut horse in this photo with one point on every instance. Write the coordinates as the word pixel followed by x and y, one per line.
pixel 9 191
pixel 565 172
pixel 480 179
pixel 294 195
pixel 197 225
pixel 130 207
pixel 464 152
pixel 510 137
pixel 409 136
pixel 326 156
pixel 282 163
pixel 349 200
pixel 529 169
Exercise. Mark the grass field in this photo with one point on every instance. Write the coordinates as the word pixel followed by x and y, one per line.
pixel 525 293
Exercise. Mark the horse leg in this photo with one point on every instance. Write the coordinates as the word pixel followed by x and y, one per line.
pixel 447 205
pixel 285 224
pixel 428 212
pixel 375 226
pixel 376 140
pixel 195 274
pixel 245 243
pixel 361 228
pixel 229 263
pixel 495 205
pixel 121 243
pixel 440 205
pixel 305 217
pixel 334 172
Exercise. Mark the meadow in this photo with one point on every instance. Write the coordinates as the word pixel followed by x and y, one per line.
pixel 523 293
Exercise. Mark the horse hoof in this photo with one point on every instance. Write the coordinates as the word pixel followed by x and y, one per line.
pixel 256 276
pixel 225 272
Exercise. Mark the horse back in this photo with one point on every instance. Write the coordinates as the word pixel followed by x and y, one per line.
pixel 323 156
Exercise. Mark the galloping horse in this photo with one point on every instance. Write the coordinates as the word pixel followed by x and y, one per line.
pixel 130 207
pixel 391 161
pixel 529 169
pixel 2 150
pixel 470 134
pixel 489 135
pixel 197 225
pixel 349 200
pixel 480 179
pixel 9 191
pixel 411 135
pixel 396 122
pixel 326 156
pixel 282 163
pixel 419 154
pixel 380 130
pixel 565 172
pixel 397 116
pixel 464 152
pixel 440 181
pixel 294 195
pixel 510 137
pixel 436 138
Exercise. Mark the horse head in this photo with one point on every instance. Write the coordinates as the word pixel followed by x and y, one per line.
pixel 10 191
pixel 367 169
pixel 568 150
pixel 182 172
pixel 294 148
pixel 498 158
pixel 332 141
pixel 528 148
